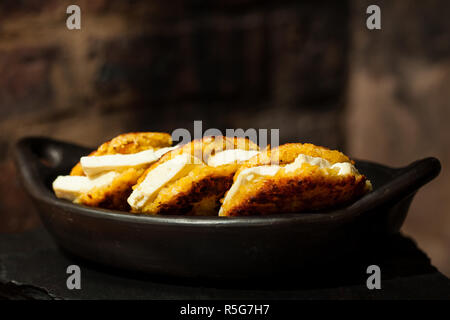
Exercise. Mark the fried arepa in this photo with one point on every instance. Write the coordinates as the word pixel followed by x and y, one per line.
pixel 294 177
pixel 199 188
pixel 203 149
pixel 115 194
pixel 128 143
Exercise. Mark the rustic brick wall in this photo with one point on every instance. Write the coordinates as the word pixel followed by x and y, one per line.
pixel 399 105
pixel 160 65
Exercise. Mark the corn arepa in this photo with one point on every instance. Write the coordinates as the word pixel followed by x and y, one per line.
pixel 112 192
pixel 198 190
pixel 293 177
pixel 128 143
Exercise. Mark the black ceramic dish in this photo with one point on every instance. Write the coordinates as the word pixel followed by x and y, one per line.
pixel 215 247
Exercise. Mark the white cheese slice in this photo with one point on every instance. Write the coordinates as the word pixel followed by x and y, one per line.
pixel 231 156
pixel 157 178
pixel 93 165
pixel 71 187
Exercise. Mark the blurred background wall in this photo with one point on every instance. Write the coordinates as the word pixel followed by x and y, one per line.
pixel 311 69
pixel 398 106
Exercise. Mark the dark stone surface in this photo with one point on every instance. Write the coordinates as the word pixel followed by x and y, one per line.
pixel 32 267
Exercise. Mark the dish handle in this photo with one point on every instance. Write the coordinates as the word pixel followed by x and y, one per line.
pixel 38 157
pixel 406 181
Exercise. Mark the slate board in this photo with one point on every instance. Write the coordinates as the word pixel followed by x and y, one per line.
pixel 33 267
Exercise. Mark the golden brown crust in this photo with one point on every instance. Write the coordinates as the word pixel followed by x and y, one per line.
pixel 199 192
pixel 115 195
pixel 203 148
pixel 308 189
pixel 128 143
pixel 208 146
pixel 288 152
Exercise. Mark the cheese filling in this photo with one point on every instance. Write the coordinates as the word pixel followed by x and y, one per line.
pixel 94 165
pixel 249 174
pixel 159 177
pixel 101 171
pixel 71 187
pixel 230 156
pixel 343 167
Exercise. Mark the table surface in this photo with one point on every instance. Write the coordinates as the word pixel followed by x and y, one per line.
pixel 33 267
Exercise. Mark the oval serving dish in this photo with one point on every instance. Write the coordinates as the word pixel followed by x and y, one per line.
pixel 215 247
